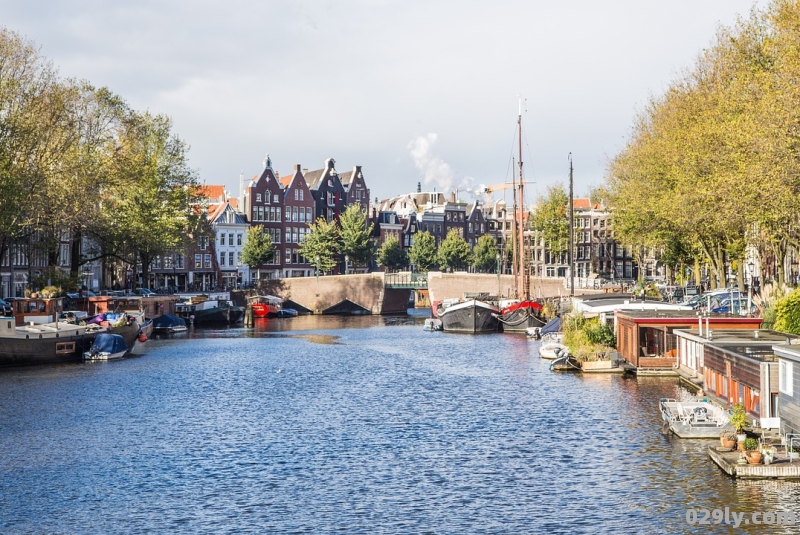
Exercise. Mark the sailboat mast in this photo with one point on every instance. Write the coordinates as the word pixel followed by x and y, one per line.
pixel 524 280
pixel 571 233
pixel 514 248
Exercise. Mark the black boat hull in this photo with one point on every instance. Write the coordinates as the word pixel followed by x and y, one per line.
pixel 469 317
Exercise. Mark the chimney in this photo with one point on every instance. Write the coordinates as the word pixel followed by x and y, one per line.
pixel 452 196
pixel 419 187
pixel 329 163
pixel 296 168
pixel 374 212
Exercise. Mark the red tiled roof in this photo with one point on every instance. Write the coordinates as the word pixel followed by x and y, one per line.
pixel 213 192
pixel 581 204
pixel 285 181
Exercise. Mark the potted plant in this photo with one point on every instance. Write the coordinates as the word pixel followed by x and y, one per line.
pixel 739 421
pixel 728 439
pixel 751 451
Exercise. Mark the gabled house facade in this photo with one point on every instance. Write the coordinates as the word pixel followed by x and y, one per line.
pixel 355 187
pixel 298 215
pixel 263 202
pixel 230 228
pixel 330 198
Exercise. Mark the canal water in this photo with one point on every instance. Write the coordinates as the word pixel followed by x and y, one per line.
pixel 351 425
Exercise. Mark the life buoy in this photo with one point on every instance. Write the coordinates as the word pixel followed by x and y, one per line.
pixel 142 337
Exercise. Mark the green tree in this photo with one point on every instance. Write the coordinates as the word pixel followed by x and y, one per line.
pixel 319 246
pixel 485 254
pixel 423 251
pixel 550 220
pixel 454 252
pixel 154 195
pixel 391 255
pixel 258 248
pixel 355 235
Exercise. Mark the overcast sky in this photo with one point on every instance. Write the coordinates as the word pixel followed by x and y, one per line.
pixel 413 91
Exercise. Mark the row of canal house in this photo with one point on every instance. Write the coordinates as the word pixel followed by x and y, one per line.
pixel 284 206
pixel 730 357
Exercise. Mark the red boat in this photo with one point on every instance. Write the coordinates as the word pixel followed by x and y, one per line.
pixel 265 306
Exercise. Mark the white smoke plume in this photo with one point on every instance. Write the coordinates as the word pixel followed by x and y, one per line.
pixel 436 171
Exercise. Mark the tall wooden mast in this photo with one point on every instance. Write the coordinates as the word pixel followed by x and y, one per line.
pixel 524 284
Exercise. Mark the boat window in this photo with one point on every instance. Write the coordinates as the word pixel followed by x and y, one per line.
pixel 42 306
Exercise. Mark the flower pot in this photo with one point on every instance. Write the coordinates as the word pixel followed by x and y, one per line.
pixel 753 457
pixel 727 443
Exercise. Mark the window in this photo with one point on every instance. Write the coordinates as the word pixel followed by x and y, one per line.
pixel 294 213
pixel 179 261
pixel 207 261
pixel 288 256
pixel 288 235
pixel 221 259
pixel 296 194
pixel 301 194
pixel 198 261
pixel 202 242
pixel 260 214
pixel 275 199
pixel 239 239
pixel 785 379
pixel 222 239
pixel 258 197
pixel 288 213
pixel 294 235
pixel 230 239
pixel 308 214
pixel 230 258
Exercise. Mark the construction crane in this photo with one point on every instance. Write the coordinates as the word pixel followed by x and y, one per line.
pixel 488 190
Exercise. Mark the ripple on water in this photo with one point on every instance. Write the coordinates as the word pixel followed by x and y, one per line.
pixel 380 429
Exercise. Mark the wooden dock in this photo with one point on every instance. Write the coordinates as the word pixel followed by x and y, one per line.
pixel 780 468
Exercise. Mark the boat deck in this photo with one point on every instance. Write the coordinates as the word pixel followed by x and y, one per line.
pixel 780 468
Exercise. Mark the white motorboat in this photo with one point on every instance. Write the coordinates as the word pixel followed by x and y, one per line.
pixel 107 347
pixel 551 350
pixel 694 419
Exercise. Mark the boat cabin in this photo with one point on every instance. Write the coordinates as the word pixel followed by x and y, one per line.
pixel 646 338
pixel 36 311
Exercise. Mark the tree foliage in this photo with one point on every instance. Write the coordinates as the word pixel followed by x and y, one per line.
pixel 423 251
pixel 391 255
pixel 714 161
pixel 355 236
pixel 550 219
pixel 787 313
pixel 454 252
pixel 485 254
pixel 258 248
pixel 319 247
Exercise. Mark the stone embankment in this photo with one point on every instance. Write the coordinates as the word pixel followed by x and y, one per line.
pixel 367 293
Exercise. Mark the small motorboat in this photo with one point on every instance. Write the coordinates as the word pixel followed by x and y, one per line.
pixel 433 324
pixel 107 347
pixel 550 350
pixel 694 419
pixel 564 362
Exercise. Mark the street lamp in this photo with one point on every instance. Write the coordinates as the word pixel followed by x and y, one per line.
pixel 750 267
pixel 346 264
pixel 316 265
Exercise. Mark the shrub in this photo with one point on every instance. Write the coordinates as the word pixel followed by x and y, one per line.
pixel 787 313
pixel 750 444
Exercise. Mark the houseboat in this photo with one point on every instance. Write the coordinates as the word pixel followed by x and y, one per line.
pixel 34 335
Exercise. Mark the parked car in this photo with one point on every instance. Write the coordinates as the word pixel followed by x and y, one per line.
pixel 5 308
pixel 144 292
